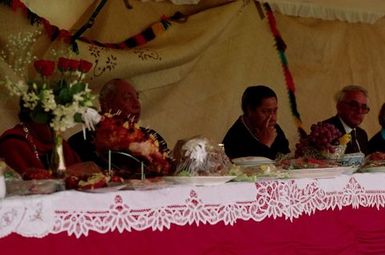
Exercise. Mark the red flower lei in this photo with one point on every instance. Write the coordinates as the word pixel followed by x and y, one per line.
pixel 121 135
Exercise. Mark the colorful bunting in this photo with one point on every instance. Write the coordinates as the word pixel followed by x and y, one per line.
pixel 56 33
pixel 281 47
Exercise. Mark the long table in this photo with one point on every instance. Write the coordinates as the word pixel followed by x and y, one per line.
pixel 341 215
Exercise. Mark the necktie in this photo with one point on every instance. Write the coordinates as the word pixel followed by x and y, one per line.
pixel 355 146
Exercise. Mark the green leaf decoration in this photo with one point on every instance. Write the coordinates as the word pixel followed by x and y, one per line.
pixel 61 84
pixel 39 115
pixel 78 87
pixel 78 117
pixel 64 96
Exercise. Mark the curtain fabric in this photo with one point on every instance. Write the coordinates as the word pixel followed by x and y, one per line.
pixel 191 76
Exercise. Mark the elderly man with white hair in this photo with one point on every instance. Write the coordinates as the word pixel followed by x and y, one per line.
pixel 352 107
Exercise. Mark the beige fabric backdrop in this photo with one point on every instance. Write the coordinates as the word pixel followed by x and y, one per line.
pixel 192 76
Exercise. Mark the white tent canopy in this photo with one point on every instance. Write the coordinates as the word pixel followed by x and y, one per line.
pixel 350 10
pixel 192 75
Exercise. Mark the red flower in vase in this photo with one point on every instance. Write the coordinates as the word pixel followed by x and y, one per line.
pixel 73 64
pixel 44 67
pixel 63 64
pixel 84 66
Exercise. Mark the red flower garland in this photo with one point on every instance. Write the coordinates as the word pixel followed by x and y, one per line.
pixel 120 135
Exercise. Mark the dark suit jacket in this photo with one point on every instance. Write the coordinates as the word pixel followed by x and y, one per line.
pixel 376 143
pixel 362 136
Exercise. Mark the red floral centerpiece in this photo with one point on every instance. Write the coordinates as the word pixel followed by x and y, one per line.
pixel 59 100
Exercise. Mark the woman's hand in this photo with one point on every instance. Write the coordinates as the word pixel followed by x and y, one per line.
pixel 268 133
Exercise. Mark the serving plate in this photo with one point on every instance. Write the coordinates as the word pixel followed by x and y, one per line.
pixel 252 161
pixel 376 169
pixel 33 187
pixel 320 172
pixel 350 169
pixel 199 180
pixel 110 188
pixel 147 184
pixel 262 176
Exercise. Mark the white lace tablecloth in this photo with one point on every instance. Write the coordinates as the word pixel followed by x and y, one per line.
pixel 78 213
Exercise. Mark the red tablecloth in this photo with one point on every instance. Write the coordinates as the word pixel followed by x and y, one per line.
pixel 346 231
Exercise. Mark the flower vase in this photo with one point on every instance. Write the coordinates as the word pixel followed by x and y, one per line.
pixel 57 160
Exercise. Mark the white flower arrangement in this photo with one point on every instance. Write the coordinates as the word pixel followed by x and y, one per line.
pixel 61 101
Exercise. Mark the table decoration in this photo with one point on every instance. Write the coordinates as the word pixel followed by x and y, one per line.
pixel 117 136
pixel 325 141
pixel 59 102
pixel 198 156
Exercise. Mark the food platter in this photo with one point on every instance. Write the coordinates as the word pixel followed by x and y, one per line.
pixel 199 180
pixel 109 188
pixel 320 172
pixel 252 161
pixel 33 187
pixel 146 184
pixel 262 176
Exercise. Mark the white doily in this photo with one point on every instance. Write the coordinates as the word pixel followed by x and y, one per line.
pixel 78 213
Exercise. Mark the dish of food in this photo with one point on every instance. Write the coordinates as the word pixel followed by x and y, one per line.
pixel 32 187
pixel 306 163
pixel 258 172
pixel 146 184
pixel 112 187
pixel 199 180
pixel 252 161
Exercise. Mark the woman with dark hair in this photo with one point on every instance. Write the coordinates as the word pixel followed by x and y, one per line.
pixel 256 132
pixel 28 146
pixel 377 142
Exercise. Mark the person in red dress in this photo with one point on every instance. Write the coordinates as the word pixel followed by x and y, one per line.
pixel 27 148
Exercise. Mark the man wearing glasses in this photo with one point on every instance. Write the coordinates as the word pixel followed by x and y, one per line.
pixel 352 107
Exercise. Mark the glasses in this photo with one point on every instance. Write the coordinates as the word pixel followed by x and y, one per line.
pixel 355 106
